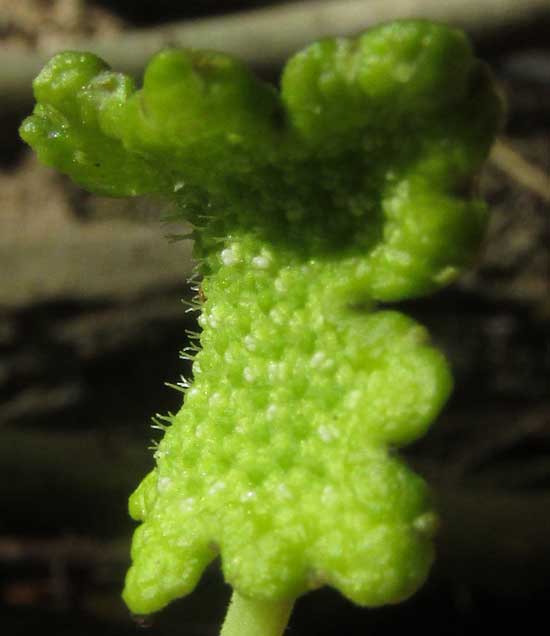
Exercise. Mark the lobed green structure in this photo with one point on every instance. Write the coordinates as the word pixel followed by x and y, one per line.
pixel 350 188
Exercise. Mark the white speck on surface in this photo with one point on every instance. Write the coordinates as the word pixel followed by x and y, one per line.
pixel 229 256
pixel 200 431
pixel 215 398
pixel 352 399
pixel 216 487
pixel 280 285
pixel 249 495
pixel 250 343
pixel 317 358
pixel 249 374
pixel 178 185
pixel 318 321
pixel 187 504
pixel 271 411
pixel 277 316
pixel 325 433
pixel 272 371
pixel 261 262
pixel 284 492
pixel 328 494
pixel 163 484
pixel 277 371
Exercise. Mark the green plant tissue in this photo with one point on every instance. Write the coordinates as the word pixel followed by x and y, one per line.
pixel 350 187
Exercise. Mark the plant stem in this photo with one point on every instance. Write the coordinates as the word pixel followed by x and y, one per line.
pixel 246 617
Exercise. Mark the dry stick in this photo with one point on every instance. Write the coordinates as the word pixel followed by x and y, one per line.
pixel 265 37
pixel 73 550
pixel 519 169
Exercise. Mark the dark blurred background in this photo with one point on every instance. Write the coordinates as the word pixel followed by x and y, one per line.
pixel 91 324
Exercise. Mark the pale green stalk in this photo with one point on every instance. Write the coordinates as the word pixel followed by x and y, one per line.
pixel 247 617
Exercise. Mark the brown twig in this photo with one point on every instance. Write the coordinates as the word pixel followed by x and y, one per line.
pixel 511 162
pixel 75 551
pixel 266 37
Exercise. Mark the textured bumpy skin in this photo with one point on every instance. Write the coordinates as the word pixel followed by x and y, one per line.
pixel 352 186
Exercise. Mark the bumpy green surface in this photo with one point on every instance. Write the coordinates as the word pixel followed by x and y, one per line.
pixel 350 187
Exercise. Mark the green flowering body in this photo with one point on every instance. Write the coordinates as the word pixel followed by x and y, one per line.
pixel 351 187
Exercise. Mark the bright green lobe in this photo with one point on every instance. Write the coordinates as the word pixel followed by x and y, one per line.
pixel 279 457
pixel 353 186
